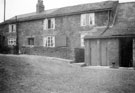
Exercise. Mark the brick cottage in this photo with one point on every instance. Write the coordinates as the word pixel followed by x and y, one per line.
pixel 60 32
pixel 57 32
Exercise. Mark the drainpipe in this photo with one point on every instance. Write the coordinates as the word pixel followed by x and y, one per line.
pixel 17 36
pixel 108 23
pixel 114 20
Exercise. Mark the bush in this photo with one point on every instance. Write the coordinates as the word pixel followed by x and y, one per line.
pixel 4 49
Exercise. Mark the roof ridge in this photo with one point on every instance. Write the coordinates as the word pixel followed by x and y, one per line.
pixel 68 10
pixel 70 6
pixel 83 4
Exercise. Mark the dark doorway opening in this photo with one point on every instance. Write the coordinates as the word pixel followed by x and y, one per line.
pixel 126 52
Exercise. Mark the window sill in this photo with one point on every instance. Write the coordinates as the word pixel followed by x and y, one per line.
pixel 12 45
pixel 49 47
pixel 29 46
pixel 50 29
pixel 83 46
pixel 12 32
pixel 88 25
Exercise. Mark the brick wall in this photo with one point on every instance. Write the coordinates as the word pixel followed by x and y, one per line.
pixel 5 32
pixel 113 49
pixel 68 26
pixel 61 52
pixel 30 29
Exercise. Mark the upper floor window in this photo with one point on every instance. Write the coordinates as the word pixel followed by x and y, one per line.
pixel 49 41
pixel 49 23
pixel 12 28
pixel 31 41
pixel 12 41
pixel 87 19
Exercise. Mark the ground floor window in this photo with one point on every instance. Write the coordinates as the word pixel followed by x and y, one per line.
pixel 82 39
pixel 31 41
pixel 12 41
pixel 49 41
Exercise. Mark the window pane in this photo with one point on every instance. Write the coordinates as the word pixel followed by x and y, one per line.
pixel 30 41
pixel 91 19
pixel 49 23
pixel 52 42
pixel 14 28
pixel 45 25
pixel 49 41
pixel 49 38
pixel 53 23
pixel 82 39
pixel 83 19
pixel 10 28
pixel 11 41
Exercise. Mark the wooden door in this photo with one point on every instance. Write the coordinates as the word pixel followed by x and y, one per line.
pixel 94 53
pixel 104 53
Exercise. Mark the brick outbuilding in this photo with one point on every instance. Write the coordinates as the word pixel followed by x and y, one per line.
pixel 115 46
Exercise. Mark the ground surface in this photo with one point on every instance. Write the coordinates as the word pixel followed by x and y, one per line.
pixel 36 74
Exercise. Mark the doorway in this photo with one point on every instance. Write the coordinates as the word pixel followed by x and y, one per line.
pixel 126 52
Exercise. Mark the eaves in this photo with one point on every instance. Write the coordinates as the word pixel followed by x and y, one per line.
pixel 43 16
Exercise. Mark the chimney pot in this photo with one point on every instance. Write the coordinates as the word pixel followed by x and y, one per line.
pixel 40 6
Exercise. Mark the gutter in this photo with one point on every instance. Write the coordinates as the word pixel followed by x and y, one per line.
pixel 43 16
pixel 110 37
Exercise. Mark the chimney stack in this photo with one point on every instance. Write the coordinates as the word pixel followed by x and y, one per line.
pixel 40 6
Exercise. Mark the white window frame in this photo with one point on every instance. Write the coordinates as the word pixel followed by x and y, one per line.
pixel 12 28
pixel 82 35
pixel 83 19
pixel 12 41
pixel 92 18
pixel 28 41
pixel 52 23
pixel 86 18
pixel 49 41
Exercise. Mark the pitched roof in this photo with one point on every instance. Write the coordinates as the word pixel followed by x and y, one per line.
pixel 66 11
pixel 119 31
pixel 124 25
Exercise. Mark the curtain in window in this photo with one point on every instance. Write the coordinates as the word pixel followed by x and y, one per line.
pixel 53 23
pixel 14 28
pixel 10 28
pixel 45 24
pixel 49 41
pixel 83 19
pixel 91 19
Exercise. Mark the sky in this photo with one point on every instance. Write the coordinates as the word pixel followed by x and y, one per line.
pixel 17 7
